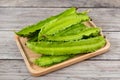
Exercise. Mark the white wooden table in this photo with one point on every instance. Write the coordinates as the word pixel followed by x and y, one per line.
pixel 15 14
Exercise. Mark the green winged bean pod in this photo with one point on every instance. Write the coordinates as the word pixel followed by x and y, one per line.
pixel 85 33
pixel 27 31
pixel 46 61
pixel 67 48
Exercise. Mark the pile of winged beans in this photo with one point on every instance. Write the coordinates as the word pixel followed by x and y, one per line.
pixel 61 37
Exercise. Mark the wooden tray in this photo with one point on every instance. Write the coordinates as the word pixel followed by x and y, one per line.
pixel 35 70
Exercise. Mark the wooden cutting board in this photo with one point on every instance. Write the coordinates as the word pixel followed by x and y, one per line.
pixel 35 70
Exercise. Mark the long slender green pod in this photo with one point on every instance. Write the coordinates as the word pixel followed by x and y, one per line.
pixel 74 29
pixel 85 33
pixel 27 31
pixel 67 48
pixel 45 61
pixel 61 24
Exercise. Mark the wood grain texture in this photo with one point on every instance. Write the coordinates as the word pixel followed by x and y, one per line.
pixel 59 3
pixel 15 14
pixel 9 50
pixel 108 19
pixel 86 70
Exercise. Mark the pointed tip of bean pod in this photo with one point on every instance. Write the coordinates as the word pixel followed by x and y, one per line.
pixel 16 32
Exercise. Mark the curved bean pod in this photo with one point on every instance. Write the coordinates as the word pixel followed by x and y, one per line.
pixel 67 48
pixel 74 29
pixel 45 61
pixel 27 31
pixel 85 33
